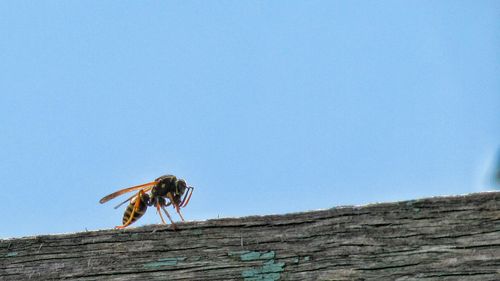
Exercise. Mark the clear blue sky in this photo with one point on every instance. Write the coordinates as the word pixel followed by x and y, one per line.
pixel 264 106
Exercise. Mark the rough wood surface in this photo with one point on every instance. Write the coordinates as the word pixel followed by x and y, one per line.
pixel 442 238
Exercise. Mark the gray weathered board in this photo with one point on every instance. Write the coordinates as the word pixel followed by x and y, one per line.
pixel 442 238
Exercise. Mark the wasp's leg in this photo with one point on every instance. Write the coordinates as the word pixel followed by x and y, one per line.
pixel 159 212
pixel 172 201
pixel 136 207
pixel 169 217
pixel 180 215
pixel 177 209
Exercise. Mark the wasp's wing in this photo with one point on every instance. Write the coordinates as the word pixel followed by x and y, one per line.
pixel 128 199
pixel 125 190
pixel 147 189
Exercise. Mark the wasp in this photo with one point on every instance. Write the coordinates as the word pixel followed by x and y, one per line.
pixel 162 192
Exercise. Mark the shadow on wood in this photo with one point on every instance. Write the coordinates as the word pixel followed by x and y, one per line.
pixel 441 238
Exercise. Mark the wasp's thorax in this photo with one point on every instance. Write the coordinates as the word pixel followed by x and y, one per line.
pixel 169 184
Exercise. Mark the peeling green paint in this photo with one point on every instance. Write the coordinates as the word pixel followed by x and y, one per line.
pixel 307 258
pixel 270 270
pixel 268 255
pixel 11 254
pixel 164 262
pixel 251 256
pixel 271 266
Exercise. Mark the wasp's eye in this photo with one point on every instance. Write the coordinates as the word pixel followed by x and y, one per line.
pixel 181 187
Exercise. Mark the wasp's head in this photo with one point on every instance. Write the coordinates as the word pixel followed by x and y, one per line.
pixel 181 187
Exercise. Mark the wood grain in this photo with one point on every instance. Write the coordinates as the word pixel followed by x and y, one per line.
pixel 441 238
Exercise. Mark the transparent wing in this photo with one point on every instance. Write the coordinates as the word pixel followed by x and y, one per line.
pixel 148 186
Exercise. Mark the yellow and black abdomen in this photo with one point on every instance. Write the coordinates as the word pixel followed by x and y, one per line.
pixel 135 215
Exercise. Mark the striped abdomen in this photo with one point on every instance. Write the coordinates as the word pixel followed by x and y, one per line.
pixel 137 214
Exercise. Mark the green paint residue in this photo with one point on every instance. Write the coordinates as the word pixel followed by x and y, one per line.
pixel 307 258
pixel 12 254
pixel 268 255
pixel 252 256
pixel 272 267
pixel 270 270
pixel 164 262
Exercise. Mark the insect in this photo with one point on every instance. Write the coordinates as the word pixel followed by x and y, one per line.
pixel 155 193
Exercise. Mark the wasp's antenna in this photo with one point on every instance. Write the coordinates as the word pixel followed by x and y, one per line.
pixel 186 198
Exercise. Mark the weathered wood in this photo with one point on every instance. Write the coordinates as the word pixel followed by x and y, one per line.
pixel 442 238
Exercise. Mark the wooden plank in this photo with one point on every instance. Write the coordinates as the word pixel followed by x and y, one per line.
pixel 441 238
